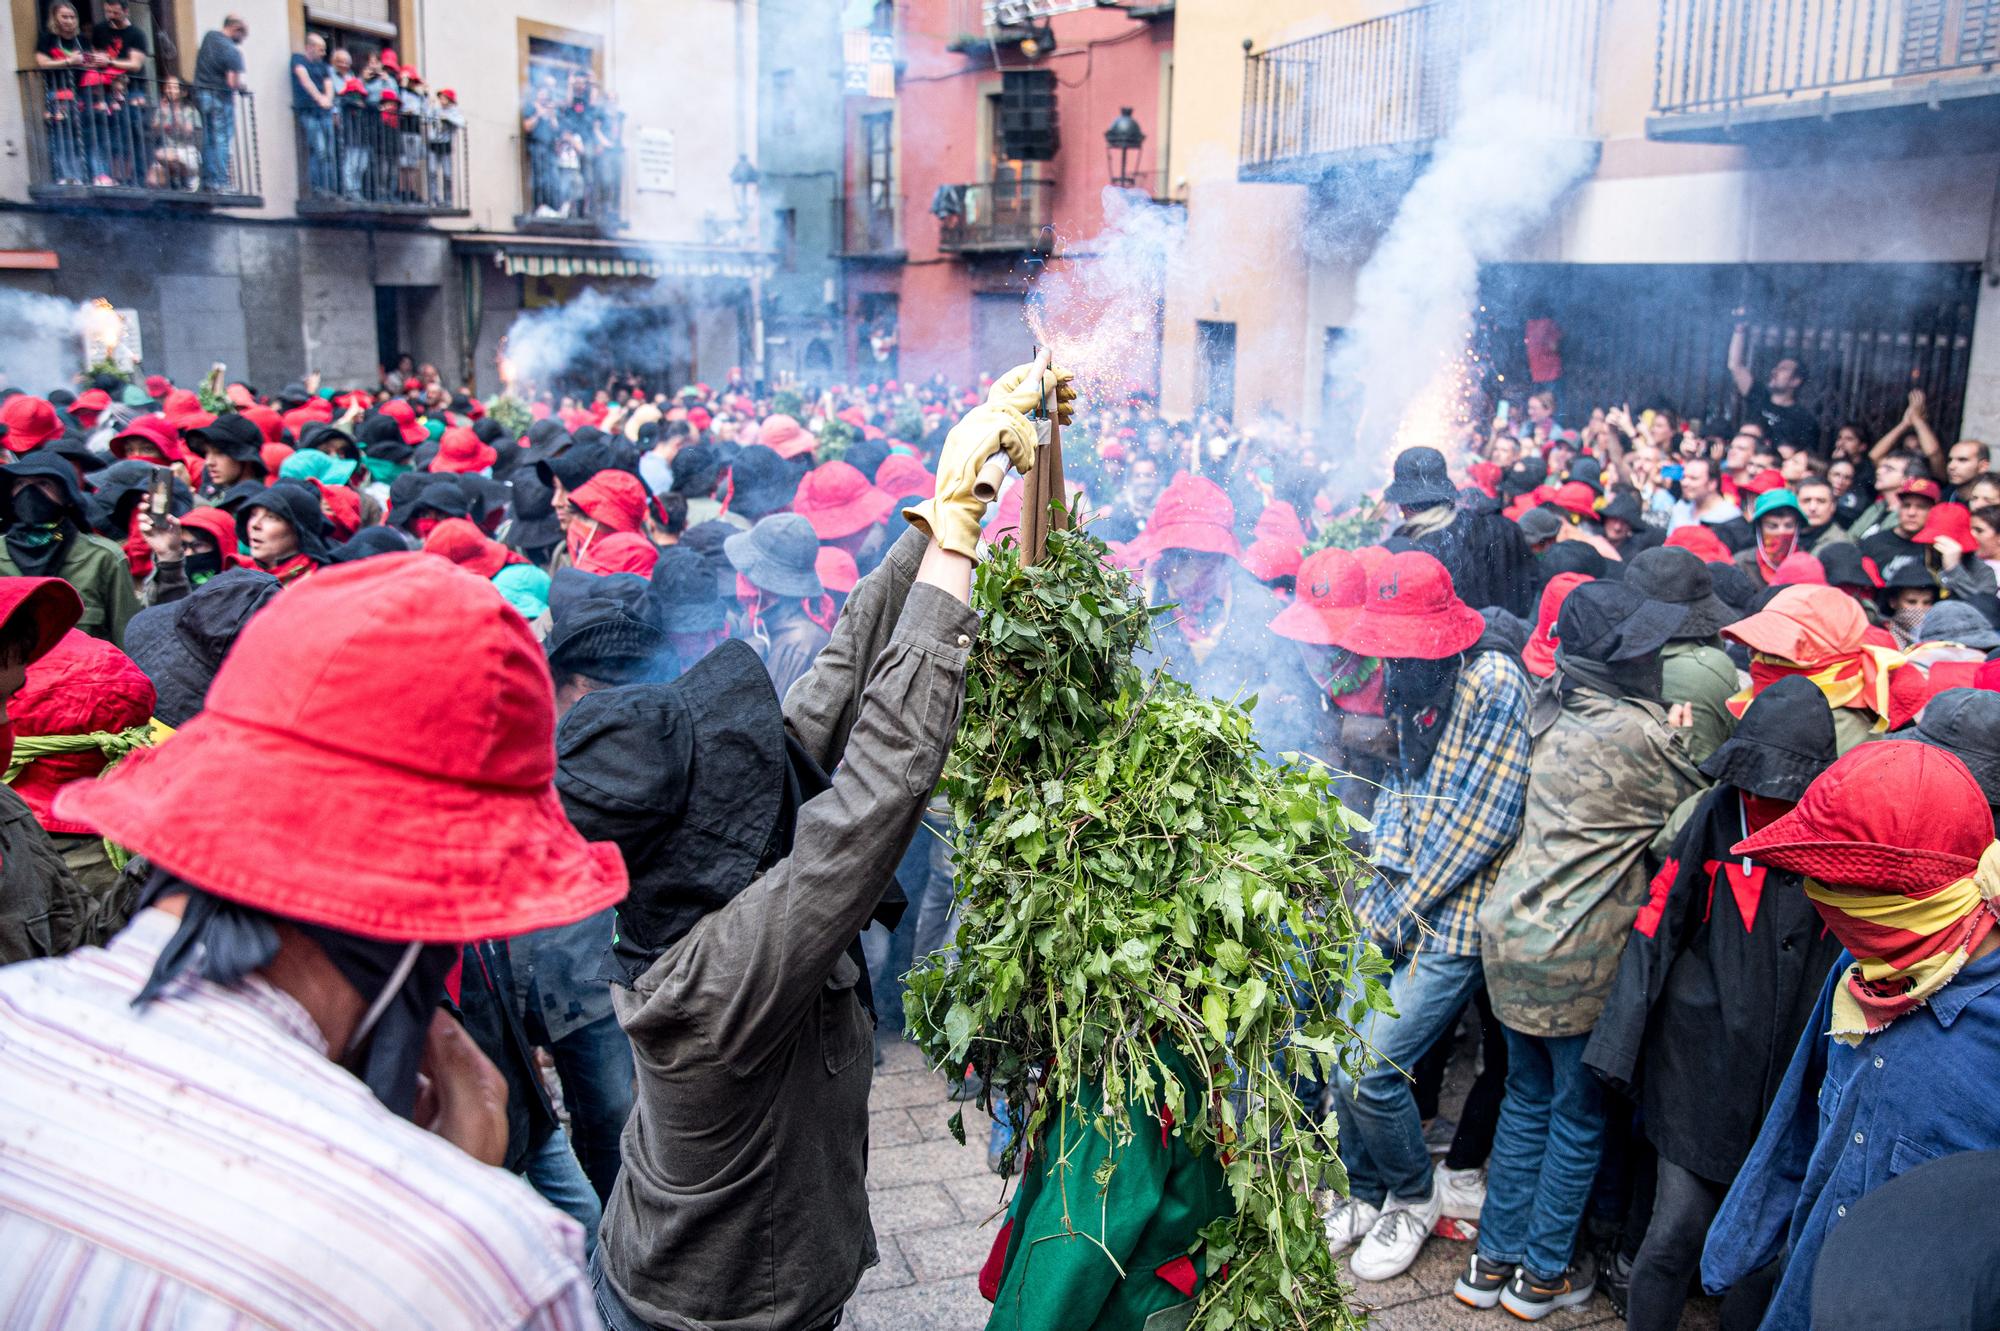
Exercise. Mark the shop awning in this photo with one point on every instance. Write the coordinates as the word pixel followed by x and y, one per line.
pixel 586 259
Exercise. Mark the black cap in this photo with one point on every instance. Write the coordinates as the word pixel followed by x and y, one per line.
pixel 231 435
pixel 1782 744
pixel 685 595
pixel 1675 576
pixel 1420 479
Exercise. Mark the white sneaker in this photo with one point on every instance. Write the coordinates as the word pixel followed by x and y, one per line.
pixel 1460 1192
pixel 1396 1238
pixel 1347 1221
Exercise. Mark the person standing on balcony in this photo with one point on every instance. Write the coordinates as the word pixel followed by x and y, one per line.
pixel 442 126
pixel 607 148
pixel 312 104
pixel 59 54
pixel 539 128
pixel 218 77
pixel 120 49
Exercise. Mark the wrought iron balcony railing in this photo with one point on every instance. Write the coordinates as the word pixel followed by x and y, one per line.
pixel 106 137
pixel 868 226
pixel 368 163
pixel 1738 60
pixel 573 187
pixel 1390 86
pixel 995 215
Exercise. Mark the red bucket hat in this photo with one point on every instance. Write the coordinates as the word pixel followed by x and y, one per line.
pixel 1412 612
pixel 900 474
pixel 83 685
pixel 620 552
pixel 49 607
pixel 785 436
pixel 91 404
pixel 838 500
pixel 405 416
pixel 30 421
pixel 1576 497
pixel 1277 545
pixel 1803 623
pixel 1192 514
pixel 1798 567
pixel 1539 656
pixel 461 541
pixel 447 827
pixel 1700 542
pixel 616 499
pixel 1951 521
pixel 460 450
pixel 269 423
pixel 155 430
pixel 1331 587
pixel 1843 830
pixel 837 570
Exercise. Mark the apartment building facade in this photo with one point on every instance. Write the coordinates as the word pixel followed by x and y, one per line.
pixel 276 251
pixel 1828 170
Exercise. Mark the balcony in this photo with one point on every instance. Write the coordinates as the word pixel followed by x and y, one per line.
pixel 1378 94
pixel 869 226
pixel 995 217
pixel 120 144
pixel 1730 66
pixel 572 193
pixel 366 166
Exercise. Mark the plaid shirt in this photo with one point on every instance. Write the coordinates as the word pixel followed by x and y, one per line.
pixel 1438 842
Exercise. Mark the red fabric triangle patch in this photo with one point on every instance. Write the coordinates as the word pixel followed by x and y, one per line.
pixel 996 1263
pixel 1179 1273
pixel 1746 885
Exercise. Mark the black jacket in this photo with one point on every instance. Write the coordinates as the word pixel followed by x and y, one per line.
pixel 1718 979
pixel 180 645
pixel 1488 559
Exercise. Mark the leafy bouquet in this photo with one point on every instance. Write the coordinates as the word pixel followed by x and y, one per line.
pixel 511 413
pixel 1134 875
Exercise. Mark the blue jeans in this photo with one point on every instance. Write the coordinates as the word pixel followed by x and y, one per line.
pixel 595 1065
pixel 218 137
pixel 1545 1154
pixel 1381 1133
pixel 552 1171
pixel 321 173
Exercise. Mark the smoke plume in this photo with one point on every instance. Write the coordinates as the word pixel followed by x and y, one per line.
pixel 42 348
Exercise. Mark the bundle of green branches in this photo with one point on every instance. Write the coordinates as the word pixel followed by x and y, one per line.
pixel 1133 875
pixel 835 438
pixel 512 414
pixel 1349 529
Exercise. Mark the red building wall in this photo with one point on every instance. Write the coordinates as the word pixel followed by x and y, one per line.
pixel 958 312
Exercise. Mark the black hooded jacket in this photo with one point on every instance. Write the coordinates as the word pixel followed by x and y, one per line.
pixel 180 645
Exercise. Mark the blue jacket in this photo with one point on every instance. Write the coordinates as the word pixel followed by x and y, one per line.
pixel 1847 1119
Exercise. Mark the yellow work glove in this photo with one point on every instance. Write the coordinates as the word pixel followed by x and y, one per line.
pixel 1018 390
pixel 952 516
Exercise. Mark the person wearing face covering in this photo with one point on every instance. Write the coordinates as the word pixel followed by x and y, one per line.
pixel 1898 1059
pixel 45 533
pixel 44 911
pixel 1775 519
pixel 326 1156
pixel 1457 704
pixel 1722 969
pixel 743 1204
pixel 1822 634
pixel 1604 779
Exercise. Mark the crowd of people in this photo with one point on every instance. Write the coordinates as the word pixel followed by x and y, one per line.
pixel 576 150
pixel 1681 751
pixel 374 133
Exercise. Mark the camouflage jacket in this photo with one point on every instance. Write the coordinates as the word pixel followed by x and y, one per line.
pixel 1603 780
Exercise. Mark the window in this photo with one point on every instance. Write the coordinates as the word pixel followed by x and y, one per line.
pixel 362 28
pixel 1215 367
pixel 153 18
pixel 788 238
pixel 878 135
pixel 883 24
pixel 555 63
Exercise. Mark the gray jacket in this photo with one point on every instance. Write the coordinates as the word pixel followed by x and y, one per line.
pixel 743 1203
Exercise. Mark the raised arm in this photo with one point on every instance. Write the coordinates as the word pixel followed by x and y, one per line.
pixel 1739 360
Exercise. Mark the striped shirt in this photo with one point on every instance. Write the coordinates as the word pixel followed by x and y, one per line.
pixel 201 1164
pixel 1439 841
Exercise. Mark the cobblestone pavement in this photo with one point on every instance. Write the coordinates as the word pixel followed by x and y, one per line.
pixel 937 1209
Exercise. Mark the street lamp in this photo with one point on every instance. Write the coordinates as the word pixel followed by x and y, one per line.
pixel 743 179
pixel 1122 143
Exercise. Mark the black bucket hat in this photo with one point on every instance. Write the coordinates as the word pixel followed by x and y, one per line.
pixel 1624 507
pixel 382 439
pixel 760 482
pixel 601 628
pixel 328 439
pixel 1526 474
pixel 180 645
pixel 574 465
pixel 696 470
pixel 1612 623
pixel 1677 577
pixel 1731 585
pixel 1420 479
pixel 1844 565
pixel 369 542
pixel 1782 744
pixel 44 466
pixel 1572 557
pixel 686 598
pixel 535 525
pixel 298 505
pixel 75 450
pixel 230 435
pixel 1588 471
pixel 1541 525
pixel 779 555
pixel 1967 722
pixel 430 494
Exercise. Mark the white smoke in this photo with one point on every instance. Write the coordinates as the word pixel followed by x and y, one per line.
pixel 1098 311
pixel 1510 154
pixel 41 347
pixel 543 344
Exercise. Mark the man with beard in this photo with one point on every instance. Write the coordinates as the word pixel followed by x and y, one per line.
pixel 1457 703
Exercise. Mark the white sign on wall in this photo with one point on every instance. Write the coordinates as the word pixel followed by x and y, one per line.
pixel 653 161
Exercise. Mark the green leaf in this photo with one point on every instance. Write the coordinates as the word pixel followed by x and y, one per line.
pixel 958 1030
